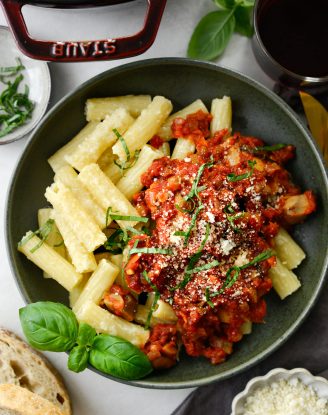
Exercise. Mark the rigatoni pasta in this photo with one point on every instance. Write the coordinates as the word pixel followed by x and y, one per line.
pixel 198 232
pixel 144 128
pixel 96 109
pixel 52 263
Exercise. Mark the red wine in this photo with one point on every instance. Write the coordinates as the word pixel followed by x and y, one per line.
pixel 295 33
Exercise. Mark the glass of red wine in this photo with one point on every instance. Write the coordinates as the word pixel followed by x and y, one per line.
pixel 291 45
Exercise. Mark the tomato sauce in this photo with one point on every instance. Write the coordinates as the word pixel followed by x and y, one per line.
pixel 215 214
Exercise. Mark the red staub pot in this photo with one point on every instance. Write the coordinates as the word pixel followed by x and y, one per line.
pixel 84 50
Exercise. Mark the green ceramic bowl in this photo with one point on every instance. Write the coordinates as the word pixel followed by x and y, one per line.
pixel 256 111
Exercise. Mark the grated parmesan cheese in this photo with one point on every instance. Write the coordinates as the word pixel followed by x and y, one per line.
pixel 284 397
pixel 226 245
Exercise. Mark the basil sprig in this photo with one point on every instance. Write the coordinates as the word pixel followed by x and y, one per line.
pixel 54 327
pixel 213 32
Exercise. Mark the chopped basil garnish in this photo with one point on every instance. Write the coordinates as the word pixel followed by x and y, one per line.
pixel 42 232
pixel 205 267
pixel 234 271
pixel 15 107
pixel 125 147
pixel 150 251
pixel 193 260
pixel 208 298
pixel 195 189
pixel 12 70
pixel 192 224
pixel 117 241
pixel 155 301
pixel 128 163
pixel 115 216
pixel 233 178
pixel 274 147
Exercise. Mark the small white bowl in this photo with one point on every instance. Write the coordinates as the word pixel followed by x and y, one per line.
pixel 36 76
pixel 317 383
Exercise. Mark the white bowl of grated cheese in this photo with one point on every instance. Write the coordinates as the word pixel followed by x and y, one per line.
pixel 283 392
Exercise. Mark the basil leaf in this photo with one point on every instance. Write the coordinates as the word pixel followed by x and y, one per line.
pixel 225 4
pixel 117 357
pixel 86 335
pixel 243 18
pixel 78 359
pixel 49 326
pixel 247 3
pixel 212 35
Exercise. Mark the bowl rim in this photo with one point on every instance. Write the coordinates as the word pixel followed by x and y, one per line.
pixel 234 74
pixel 16 135
pixel 267 379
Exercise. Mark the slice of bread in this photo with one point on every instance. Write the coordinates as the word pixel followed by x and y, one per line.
pixel 21 365
pixel 15 400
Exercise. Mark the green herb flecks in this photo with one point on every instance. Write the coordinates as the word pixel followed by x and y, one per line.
pixel 193 260
pixel 53 327
pixel 232 177
pixel 234 272
pixel 204 267
pixel 15 107
pixel 155 301
pixel 115 216
pixel 151 251
pixel 194 188
pixel 274 147
pixel 43 232
pixel 187 234
pixel 231 218
pixel 12 70
pixel 116 242
pixel 128 163
pixel 212 34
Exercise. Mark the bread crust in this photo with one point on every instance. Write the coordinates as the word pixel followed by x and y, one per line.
pixel 20 400
pixel 23 366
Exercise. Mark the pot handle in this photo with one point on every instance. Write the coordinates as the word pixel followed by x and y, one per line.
pixel 80 51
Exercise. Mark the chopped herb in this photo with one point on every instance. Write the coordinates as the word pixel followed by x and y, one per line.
pixel 193 260
pixel 229 209
pixel 192 224
pixel 146 230
pixel 195 189
pixel 128 163
pixel 114 216
pixel 12 70
pixel 117 241
pixel 234 271
pixel 180 233
pixel 135 231
pixel 15 107
pixel 123 142
pixel 128 218
pixel 42 232
pixel 205 267
pixel 150 251
pixel 155 301
pixel 231 219
pixel 274 147
pixel 233 178
pixel 208 298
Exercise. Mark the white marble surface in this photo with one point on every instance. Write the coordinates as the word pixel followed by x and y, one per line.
pixel 90 393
